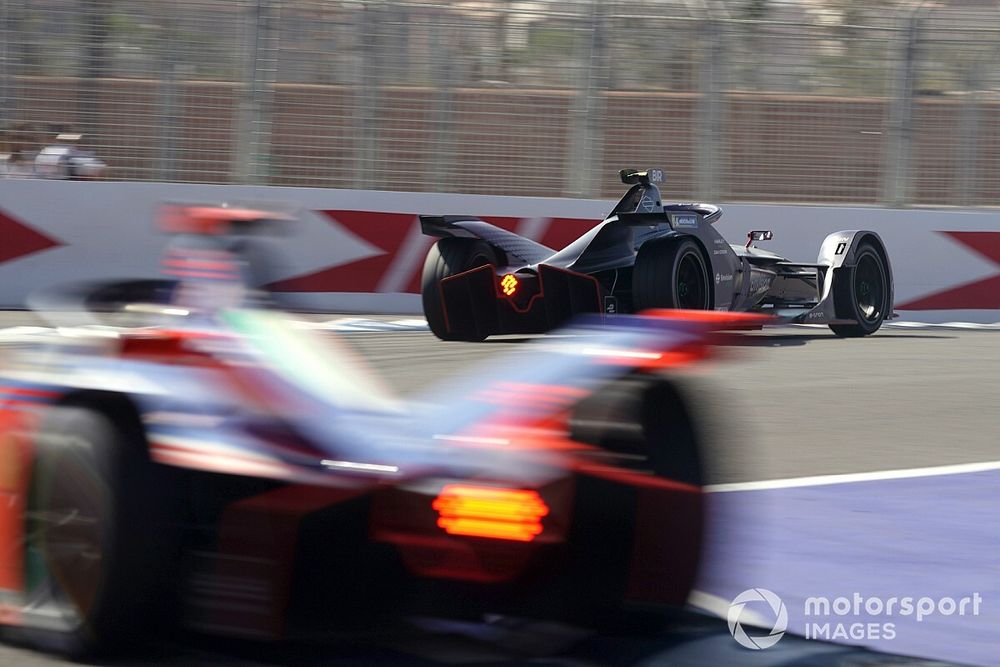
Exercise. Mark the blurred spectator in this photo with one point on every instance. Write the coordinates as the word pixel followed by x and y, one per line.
pixel 20 149
pixel 65 160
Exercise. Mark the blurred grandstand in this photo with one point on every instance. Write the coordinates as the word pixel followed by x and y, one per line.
pixel 825 101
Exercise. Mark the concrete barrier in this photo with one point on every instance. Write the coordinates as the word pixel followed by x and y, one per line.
pixel 362 251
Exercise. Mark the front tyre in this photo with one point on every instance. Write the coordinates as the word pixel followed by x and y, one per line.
pixel 446 258
pixel 97 547
pixel 671 274
pixel 862 291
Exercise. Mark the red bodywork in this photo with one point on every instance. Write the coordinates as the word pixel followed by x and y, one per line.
pixel 484 531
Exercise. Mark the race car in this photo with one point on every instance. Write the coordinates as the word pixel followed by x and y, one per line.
pixel 238 471
pixel 479 280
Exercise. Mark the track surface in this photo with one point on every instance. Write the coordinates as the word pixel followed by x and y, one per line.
pixel 786 402
pixel 796 401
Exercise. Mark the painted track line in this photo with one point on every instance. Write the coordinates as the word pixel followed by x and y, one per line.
pixel 359 324
pixel 916 326
pixel 854 477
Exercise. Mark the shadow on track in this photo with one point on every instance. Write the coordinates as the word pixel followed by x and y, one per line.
pixel 694 639
pixel 791 339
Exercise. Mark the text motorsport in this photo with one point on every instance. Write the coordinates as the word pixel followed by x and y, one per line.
pixel 880 608
pixel 854 618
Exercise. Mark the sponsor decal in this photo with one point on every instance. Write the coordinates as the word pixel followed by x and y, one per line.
pixel 687 221
pixel 723 278
pixel 720 251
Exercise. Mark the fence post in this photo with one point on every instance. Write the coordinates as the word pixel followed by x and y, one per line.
pixel 968 136
pixel 587 112
pixel 710 121
pixel 897 171
pixel 8 92
pixel 366 111
pixel 252 143
pixel 93 65
pixel 442 113
pixel 166 165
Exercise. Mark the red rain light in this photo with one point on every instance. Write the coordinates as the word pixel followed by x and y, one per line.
pixel 493 512
pixel 508 284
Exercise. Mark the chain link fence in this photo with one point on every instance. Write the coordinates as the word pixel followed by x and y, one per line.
pixel 825 101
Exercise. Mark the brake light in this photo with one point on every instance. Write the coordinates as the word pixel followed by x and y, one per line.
pixel 494 512
pixel 508 284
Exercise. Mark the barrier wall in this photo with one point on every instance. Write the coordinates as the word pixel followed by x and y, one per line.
pixel 362 251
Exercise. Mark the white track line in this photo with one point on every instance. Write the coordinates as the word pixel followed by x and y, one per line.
pixel 995 326
pixel 719 606
pixel 358 324
pixel 971 326
pixel 352 324
pixel 853 477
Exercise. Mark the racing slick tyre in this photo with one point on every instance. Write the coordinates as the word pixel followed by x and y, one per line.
pixel 644 416
pixel 648 420
pixel 449 257
pixel 98 547
pixel 671 274
pixel 861 293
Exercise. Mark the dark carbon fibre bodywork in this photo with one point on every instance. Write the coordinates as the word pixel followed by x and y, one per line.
pixel 741 278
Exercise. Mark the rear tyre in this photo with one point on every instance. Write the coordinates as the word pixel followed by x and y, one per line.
pixel 648 419
pixel 671 274
pixel 644 416
pixel 446 258
pixel 862 293
pixel 98 547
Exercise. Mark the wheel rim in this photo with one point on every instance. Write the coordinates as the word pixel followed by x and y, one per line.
pixel 65 535
pixel 869 288
pixel 691 289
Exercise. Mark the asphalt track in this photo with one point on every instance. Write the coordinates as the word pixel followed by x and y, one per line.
pixel 838 467
pixel 793 403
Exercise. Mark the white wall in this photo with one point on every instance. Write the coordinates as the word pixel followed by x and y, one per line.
pixel 105 230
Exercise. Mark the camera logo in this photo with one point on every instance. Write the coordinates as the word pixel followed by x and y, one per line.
pixel 778 626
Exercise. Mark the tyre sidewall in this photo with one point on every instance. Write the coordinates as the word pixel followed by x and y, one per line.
pixel 669 439
pixel 684 249
pixel 655 274
pixel 446 258
pixel 136 540
pixel 845 290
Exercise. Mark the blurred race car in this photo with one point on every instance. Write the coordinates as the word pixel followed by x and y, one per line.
pixel 480 280
pixel 237 471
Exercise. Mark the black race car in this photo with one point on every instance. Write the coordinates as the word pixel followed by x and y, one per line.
pixel 480 280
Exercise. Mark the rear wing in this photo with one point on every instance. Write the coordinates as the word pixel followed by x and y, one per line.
pixel 707 212
pixel 463 226
pixel 222 219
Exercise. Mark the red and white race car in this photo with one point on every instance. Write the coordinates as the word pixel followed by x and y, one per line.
pixel 234 469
